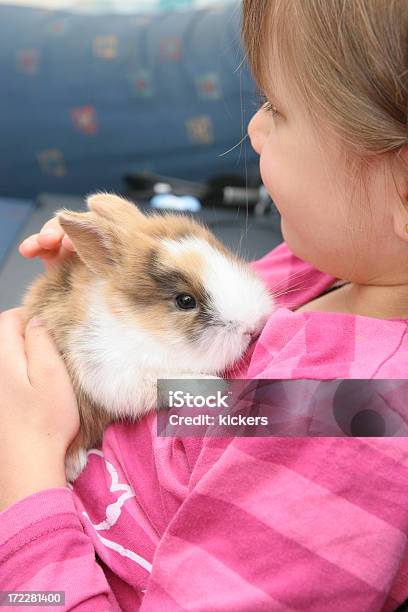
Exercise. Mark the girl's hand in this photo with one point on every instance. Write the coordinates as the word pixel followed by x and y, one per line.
pixel 52 245
pixel 39 412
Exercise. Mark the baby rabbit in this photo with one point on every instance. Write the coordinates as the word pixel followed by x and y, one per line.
pixel 145 297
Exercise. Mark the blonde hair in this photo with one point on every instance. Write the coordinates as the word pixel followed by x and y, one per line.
pixel 348 62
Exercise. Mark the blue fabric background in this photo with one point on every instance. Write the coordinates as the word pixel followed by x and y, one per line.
pixel 87 98
pixel 13 215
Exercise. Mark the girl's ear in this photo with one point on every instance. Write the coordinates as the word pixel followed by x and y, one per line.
pixel 98 242
pixel 115 208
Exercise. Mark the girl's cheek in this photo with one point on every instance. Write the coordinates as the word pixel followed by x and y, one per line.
pixel 283 184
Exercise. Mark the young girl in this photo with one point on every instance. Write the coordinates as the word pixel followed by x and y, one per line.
pixel 249 523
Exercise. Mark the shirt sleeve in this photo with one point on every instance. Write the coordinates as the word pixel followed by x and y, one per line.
pixel 129 491
pixel 43 547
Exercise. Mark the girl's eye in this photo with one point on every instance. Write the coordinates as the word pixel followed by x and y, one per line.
pixel 266 105
pixel 270 108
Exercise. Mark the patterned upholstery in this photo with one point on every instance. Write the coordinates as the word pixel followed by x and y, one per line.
pixel 88 98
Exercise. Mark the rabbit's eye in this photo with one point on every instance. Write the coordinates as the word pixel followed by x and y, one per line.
pixel 185 301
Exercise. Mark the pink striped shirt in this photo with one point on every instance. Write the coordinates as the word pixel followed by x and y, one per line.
pixel 242 524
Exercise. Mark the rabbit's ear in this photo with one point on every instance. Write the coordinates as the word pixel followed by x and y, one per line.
pixel 114 208
pixel 97 242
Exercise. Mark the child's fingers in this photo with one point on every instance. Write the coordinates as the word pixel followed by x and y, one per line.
pixel 37 244
pixel 44 363
pixel 51 231
pixel 68 244
pixel 53 241
pixel 48 240
pixel 12 356
pixel 52 235
pixel 30 246
pixel 52 224
pixel 49 258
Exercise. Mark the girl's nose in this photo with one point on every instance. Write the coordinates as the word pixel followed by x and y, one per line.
pixel 257 131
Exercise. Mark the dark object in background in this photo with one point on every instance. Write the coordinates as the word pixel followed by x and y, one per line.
pixel 223 190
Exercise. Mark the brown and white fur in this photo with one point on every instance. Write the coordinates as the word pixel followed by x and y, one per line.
pixel 111 309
